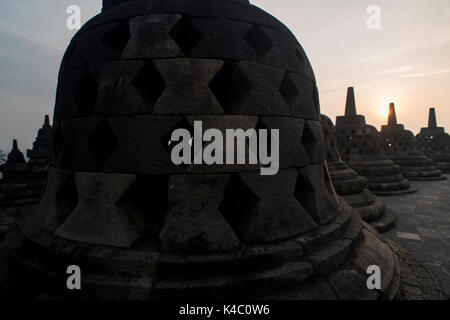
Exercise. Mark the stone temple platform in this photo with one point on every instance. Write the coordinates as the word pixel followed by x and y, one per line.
pixel 423 227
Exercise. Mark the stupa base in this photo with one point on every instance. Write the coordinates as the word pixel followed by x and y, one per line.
pixel 10 215
pixel 444 167
pixel 308 267
pixel 411 280
pixel 386 222
pixel 412 178
pixel 387 193
pixel 417 282
pixel 372 210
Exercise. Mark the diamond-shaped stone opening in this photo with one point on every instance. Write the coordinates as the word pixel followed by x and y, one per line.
pixel 304 194
pixel 230 87
pixel 261 126
pixel 85 93
pixel 186 35
pixel 167 142
pixel 320 204
pixel 259 41
pixel 67 197
pixel 57 143
pixel 289 90
pixel 102 143
pixel 238 205
pixel 149 83
pixel 116 39
pixel 309 141
pixel 148 195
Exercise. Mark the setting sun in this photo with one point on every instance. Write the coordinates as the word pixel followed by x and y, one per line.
pixel 384 110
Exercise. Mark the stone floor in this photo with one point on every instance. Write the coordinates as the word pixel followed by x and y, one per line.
pixel 423 226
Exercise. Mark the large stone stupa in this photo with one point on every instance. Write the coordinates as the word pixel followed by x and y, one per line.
pixel 359 146
pixel 434 142
pixel 399 145
pixel 352 187
pixel 140 227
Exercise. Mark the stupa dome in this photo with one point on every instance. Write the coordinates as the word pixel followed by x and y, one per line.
pixel 141 227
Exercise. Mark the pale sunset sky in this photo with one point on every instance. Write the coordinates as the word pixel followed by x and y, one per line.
pixel 406 62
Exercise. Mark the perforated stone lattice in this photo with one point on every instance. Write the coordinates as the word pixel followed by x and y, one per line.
pixel 359 141
pixel 127 83
pixel 359 146
pixel 434 142
pixel 145 228
pixel 401 147
pixel 351 186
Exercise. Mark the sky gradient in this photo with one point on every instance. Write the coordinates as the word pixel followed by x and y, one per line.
pixel 405 62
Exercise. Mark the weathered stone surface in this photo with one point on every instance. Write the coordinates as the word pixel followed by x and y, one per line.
pixel 277 215
pixel 187 86
pixel 223 123
pixel 292 150
pixel 150 37
pixel 125 88
pixel 59 200
pixel 313 194
pixel 100 217
pixel 142 145
pixel 194 224
pixel 351 285
pixel 222 38
pixel 75 153
pixel 250 88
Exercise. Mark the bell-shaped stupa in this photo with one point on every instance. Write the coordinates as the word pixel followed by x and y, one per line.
pixel 39 155
pixel 352 187
pixel 16 198
pixel 141 227
pixel 400 146
pixel 434 142
pixel 359 146
pixel 39 159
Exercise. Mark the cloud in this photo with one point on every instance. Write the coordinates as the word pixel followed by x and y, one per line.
pixel 396 70
pixel 396 53
pixel 426 74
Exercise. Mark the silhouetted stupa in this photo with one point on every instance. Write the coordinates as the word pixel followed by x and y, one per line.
pixel 39 155
pixel 140 227
pixel 359 146
pixel 434 142
pixel 399 145
pixel 16 198
pixel 39 159
pixel 352 187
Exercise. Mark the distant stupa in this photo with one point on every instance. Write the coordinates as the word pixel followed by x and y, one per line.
pixel 400 146
pixel 39 155
pixel 352 187
pixel 16 198
pixel 359 147
pixel 434 142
